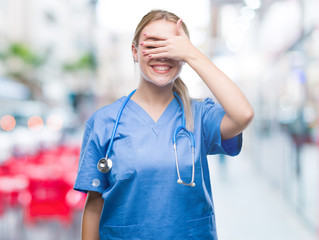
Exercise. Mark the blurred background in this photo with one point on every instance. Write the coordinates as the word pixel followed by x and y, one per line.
pixel 60 60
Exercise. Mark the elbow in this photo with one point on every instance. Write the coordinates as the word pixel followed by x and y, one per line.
pixel 239 122
pixel 248 117
pixel 244 119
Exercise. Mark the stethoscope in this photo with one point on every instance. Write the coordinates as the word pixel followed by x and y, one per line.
pixel 105 164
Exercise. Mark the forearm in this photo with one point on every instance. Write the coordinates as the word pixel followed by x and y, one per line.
pixel 238 110
pixel 91 217
pixel 231 98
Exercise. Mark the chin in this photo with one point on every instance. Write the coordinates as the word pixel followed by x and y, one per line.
pixel 160 83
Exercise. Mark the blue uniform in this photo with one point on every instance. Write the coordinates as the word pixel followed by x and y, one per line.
pixel 142 199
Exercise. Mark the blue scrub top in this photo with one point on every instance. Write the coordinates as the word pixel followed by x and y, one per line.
pixel 142 199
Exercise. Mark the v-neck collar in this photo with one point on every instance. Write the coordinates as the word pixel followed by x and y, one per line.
pixel 167 115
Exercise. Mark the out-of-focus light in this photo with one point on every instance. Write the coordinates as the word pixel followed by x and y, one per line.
pixel 237 33
pixel 24 198
pixel 9 184
pixel 301 76
pixel 253 4
pixel 233 46
pixel 247 13
pixel 8 123
pixel 285 103
pixel 35 123
pixel 235 39
pixel 242 25
pixel 54 123
pixel 309 114
pixel 288 112
pixel 73 198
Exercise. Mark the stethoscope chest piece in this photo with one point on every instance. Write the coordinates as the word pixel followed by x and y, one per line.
pixel 104 165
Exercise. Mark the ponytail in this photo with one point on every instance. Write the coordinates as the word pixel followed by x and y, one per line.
pixel 181 89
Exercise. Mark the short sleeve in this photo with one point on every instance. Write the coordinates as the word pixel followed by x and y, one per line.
pixel 212 115
pixel 88 177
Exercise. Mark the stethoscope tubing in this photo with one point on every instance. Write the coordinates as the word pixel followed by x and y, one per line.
pixel 191 137
pixel 118 117
pixel 106 163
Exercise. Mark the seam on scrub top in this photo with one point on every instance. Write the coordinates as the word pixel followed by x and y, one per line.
pixel 91 137
pixel 219 138
pixel 158 127
pixel 80 187
pixel 89 187
pixel 170 117
pixel 202 114
pixel 97 145
pixel 143 119
pixel 86 146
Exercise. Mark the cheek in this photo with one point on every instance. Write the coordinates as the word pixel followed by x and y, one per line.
pixel 140 55
pixel 143 60
pixel 179 66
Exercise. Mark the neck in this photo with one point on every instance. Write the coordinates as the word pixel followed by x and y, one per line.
pixel 148 93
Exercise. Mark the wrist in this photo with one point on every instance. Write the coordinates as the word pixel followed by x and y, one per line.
pixel 193 56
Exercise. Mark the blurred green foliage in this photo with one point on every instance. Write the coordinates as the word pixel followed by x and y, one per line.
pixel 24 53
pixel 22 62
pixel 86 62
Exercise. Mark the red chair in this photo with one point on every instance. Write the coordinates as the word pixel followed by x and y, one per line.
pixel 48 201
pixel 47 192
pixel 11 186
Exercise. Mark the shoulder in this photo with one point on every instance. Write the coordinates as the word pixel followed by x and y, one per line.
pixel 105 114
pixel 207 111
pixel 203 104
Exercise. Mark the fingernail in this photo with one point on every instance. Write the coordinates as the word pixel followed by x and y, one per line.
pixel 144 34
pixel 149 55
pixel 143 51
pixel 141 43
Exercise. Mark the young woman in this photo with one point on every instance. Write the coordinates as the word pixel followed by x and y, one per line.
pixel 156 184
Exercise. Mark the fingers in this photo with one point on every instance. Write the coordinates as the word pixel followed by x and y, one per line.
pixel 153 47
pixel 162 55
pixel 155 51
pixel 153 44
pixel 179 28
pixel 172 45
pixel 149 36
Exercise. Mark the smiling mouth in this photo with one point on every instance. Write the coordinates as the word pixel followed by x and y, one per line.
pixel 161 68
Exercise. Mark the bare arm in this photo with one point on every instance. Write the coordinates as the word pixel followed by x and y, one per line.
pixel 238 110
pixel 91 216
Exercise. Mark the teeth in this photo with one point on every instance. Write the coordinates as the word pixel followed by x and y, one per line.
pixel 161 68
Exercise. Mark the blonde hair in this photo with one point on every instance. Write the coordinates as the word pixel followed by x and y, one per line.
pixel 179 86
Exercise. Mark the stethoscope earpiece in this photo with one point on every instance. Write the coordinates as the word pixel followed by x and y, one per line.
pixel 191 184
